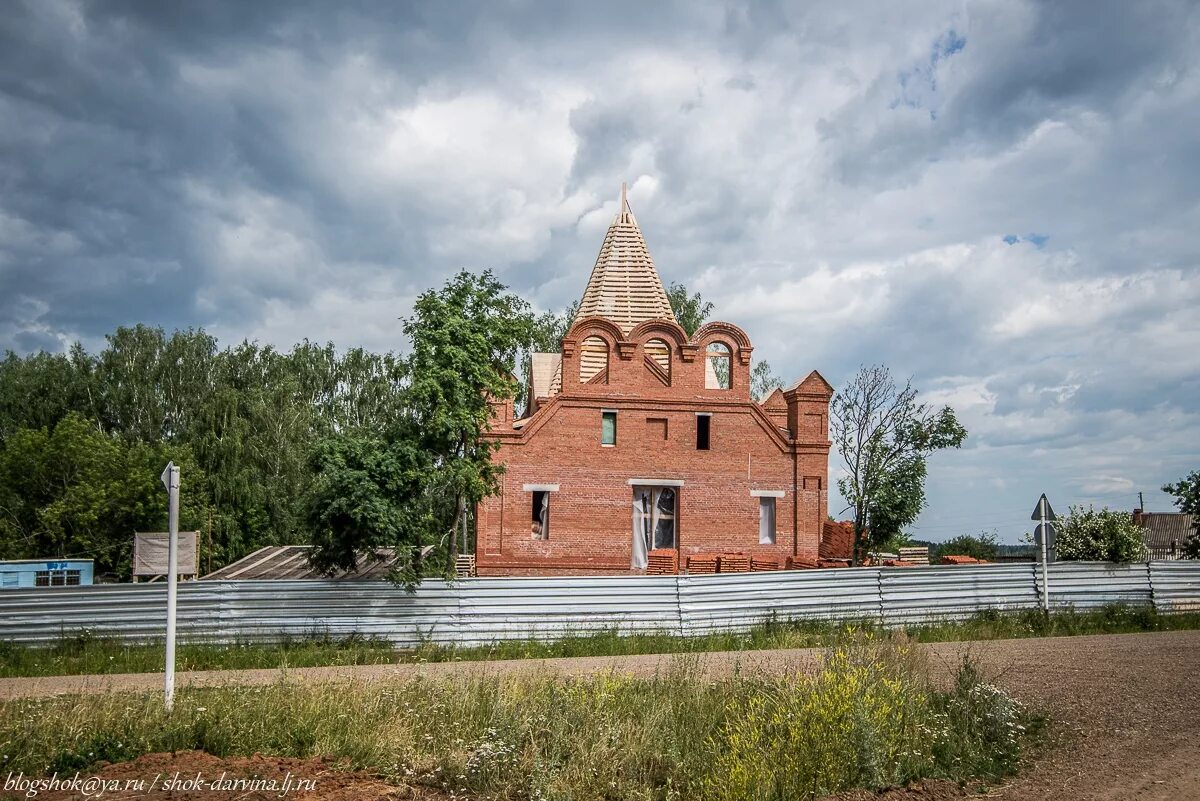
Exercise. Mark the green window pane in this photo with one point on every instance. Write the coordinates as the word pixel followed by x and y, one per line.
pixel 608 428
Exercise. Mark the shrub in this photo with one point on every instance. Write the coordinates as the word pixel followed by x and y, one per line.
pixel 1101 536
pixel 982 547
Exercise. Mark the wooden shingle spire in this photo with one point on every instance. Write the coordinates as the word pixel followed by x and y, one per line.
pixel 624 286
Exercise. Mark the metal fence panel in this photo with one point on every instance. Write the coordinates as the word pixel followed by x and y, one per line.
pixel 954 592
pixel 739 601
pixel 486 610
pixel 134 612
pixel 546 608
pixel 266 610
pixel 1090 585
pixel 1176 586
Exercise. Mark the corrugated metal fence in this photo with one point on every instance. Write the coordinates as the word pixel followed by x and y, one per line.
pixel 481 611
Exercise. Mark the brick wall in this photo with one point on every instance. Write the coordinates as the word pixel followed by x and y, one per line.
pixel 591 505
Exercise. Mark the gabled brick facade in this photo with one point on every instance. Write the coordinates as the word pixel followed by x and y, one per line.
pixel 656 383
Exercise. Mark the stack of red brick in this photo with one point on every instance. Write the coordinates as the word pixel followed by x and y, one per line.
pixel 758 563
pixel 962 560
pixel 703 563
pixel 734 563
pixel 662 562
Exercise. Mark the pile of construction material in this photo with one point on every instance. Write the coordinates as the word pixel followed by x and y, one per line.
pixel 662 562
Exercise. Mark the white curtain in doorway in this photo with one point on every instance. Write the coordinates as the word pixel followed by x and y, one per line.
pixel 643 523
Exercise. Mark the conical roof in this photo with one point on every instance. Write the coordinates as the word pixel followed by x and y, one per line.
pixel 624 286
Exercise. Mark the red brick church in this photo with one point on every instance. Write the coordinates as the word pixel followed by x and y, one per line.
pixel 641 443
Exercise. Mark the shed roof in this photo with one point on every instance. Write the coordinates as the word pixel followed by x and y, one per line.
pixel 291 562
pixel 1166 530
pixel 624 286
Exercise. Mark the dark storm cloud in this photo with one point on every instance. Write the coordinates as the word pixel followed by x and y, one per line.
pixel 839 179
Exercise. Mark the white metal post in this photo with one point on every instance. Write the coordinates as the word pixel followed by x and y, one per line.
pixel 1045 558
pixel 171 479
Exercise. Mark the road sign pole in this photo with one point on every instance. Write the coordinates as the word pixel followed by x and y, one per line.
pixel 1045 558
pixel 1044 513
pixel 170 478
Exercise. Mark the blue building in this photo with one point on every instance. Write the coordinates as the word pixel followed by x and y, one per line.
pixel 45 573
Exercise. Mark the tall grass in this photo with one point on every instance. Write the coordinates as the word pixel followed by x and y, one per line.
pixel 89 654
pixel 869 717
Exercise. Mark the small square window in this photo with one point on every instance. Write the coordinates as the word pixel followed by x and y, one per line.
pixel 703 431
pixel 766 521
pixel 41 578
pixel 539 527
pixel 608 428
pixel 72 578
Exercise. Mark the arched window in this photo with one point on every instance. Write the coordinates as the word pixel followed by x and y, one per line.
pixel 717 366
pixel 658 358
pixel 593 359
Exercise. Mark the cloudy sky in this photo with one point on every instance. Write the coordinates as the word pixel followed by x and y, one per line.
pixel 1000 199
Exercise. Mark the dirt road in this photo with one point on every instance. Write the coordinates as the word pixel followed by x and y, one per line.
pixel 1126 707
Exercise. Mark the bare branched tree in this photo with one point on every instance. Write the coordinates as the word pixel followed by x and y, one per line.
pixel 883 435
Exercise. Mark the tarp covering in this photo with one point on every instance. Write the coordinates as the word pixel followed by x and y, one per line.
pixel 150 553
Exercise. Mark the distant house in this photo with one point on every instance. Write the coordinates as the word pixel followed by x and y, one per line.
pixel 1166 533
pixel 45 573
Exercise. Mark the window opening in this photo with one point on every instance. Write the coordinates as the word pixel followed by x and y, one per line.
pixel 608 428
pixel 703 431
pixel 540 523
pixel 717 366
pixel 593 358
pixel 766 521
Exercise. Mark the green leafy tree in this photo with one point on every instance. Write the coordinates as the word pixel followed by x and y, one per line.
pixel 371 492
pixel 691 311
pixel 414 484
pixel 1099 536
pixel 884 436
pixel 983 546
pixel 1187 497
pixel 76 492
pixel 465 341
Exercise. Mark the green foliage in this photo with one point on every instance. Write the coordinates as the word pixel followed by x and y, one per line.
pixel 884 436
pixel 691 311
pixel 239 421
pixel 985 546
pixel 369 493
pixel 77 492
pixel 763 381
pixel 867 717
pixel 411 484
pixel 1102 536
pixel 1187 498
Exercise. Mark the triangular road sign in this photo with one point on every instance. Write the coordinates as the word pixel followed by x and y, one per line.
pixel 1037 510
pixel 166 476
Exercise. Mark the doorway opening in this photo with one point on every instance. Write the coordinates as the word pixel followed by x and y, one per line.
pixel 655 510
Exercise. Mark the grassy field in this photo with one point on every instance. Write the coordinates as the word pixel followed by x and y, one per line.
pixel 868 718
pixel 87 654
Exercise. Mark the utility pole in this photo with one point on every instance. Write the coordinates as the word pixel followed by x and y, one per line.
pixel 1141 502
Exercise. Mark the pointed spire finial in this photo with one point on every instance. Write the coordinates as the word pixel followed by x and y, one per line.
pixel 624 286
